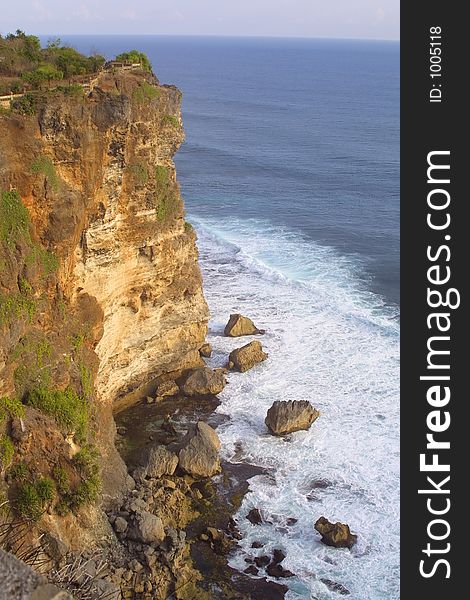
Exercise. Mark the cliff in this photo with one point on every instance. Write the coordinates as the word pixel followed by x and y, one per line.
pixel 100 290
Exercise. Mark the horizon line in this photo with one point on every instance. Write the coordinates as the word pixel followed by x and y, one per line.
pixel 231 36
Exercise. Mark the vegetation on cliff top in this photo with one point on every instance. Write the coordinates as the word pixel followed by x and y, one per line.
pixel 25 65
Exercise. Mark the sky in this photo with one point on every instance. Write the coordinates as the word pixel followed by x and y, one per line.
pixel 375 19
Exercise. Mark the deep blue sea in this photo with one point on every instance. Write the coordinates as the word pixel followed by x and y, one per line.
pixel 290 173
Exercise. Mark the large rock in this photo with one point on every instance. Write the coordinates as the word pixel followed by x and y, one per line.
pixel 199 455
pixel 205 350
pixel 149 528
pixel 160 462
pixel 203 382
pixel 335 534
pixel 244 358
pixel 239 325
pixel 287 416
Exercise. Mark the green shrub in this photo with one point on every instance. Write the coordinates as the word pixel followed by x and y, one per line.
pixel 25 105
pixel 7 451
pixel 134 56
pixel 14 217
pixel 145 93
pixel 44 165
pixel 69 410
pixel 188 227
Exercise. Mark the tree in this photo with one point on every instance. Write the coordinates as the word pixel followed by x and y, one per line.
pixel 134 56
pixel 43 74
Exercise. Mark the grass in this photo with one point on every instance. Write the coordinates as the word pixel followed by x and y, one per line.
pixel 33 497
pixel 44 165
pixel 19 472
pixel 86 381
pixel 16 306
pixel 139 173
pixel 161 176
pixel 7 451
pixel 188 227
pixel 69 410
pixel 15 223
pixel 14 218
pixel 165 193
pixel 87 490
pixel 170 120
pixel 10 407
pixel 145 93
pixel 47 260
pixel 62 480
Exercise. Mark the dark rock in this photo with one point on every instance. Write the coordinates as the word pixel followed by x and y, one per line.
pixel 257 545
pixel 244 358
pixel 239 325
pixel 335 534
pixel 254 516
pixel 251 570
pixel 278 556
pixel 287 416
pixel 291 521
pixel 277 570
pixel 335 587
pixel 262 561
pixel 54 547
pixel 120 525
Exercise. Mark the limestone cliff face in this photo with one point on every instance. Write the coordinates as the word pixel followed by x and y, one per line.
pixel 100 288
pixel 136 255
pixel 114 216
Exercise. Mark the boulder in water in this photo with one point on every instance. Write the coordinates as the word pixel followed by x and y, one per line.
pixel 244 358
pixel 335 534
pixel 239 325
pixel 287 416
pixel 205 350
pixel 203 381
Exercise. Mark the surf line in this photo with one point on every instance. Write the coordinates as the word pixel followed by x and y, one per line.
pixel 441 300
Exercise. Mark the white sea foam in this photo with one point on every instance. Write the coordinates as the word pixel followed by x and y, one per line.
pixel 330 342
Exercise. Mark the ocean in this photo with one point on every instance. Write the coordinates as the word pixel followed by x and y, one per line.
pixel 290 174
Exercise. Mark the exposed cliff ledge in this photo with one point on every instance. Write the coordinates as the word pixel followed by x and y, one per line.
pixel 100 289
